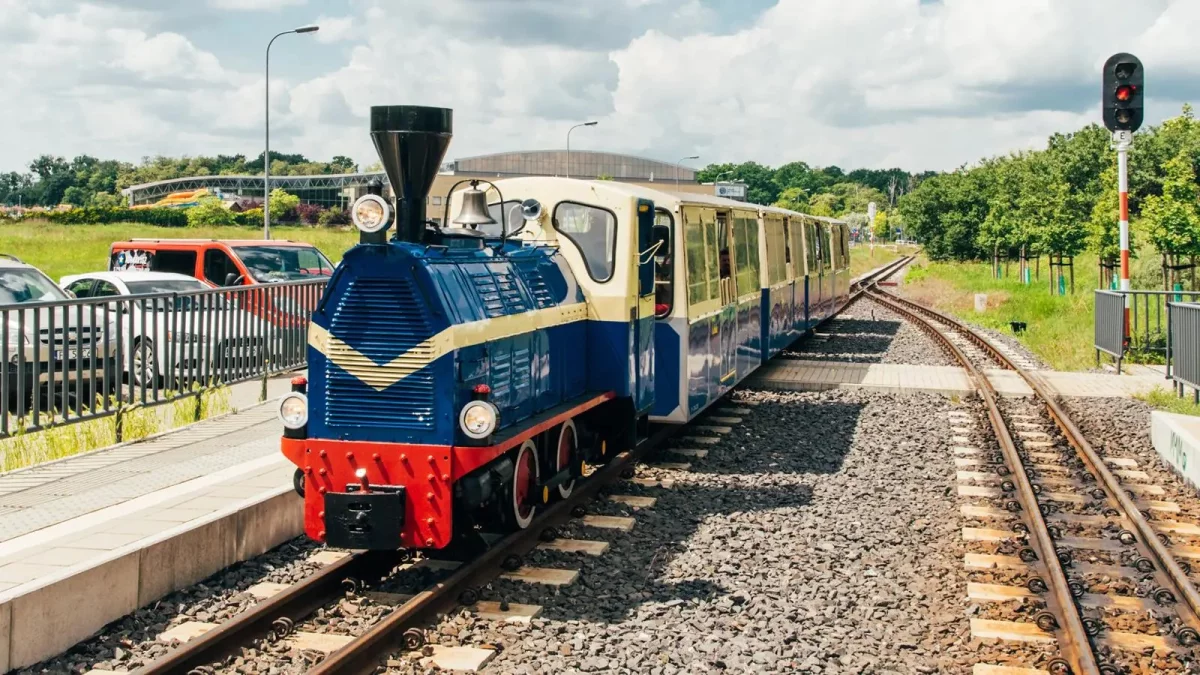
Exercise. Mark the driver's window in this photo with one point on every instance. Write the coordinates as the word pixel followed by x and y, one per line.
pixel 664 268
pixel 218 266
pixel 105 289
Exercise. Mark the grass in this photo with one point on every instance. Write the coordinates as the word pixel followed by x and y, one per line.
pixel 58 441
pixel 1161 399
pixel 864 257
pixel 1059 328
pixel 59 250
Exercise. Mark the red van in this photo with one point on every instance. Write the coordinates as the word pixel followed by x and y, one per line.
pixel 223 262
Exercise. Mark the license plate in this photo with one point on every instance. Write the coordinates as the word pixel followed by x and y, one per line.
pixel 72 354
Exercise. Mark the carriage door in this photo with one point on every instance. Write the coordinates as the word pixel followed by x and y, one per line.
pixel 642 315
pixel 727 319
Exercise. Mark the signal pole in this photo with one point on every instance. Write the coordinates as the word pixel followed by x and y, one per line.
pixel 1122 97
pixel 1123 140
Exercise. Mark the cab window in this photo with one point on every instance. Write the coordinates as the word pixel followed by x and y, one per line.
pixel 664 263
pixel 593 230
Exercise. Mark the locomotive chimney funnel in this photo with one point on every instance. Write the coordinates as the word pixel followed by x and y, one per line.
pixel 411 141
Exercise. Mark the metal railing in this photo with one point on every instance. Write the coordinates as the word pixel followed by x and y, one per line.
pixel 1148 322
pixel 1183 351
pixel 1110 325
pixel 73 360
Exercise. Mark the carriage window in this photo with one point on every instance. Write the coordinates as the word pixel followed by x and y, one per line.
pixel 845 247
pixel 664 259
pixel 745 236
pixel 813 243
pixel 776 251
pixel 796 237
pixel 716 252
pixel 826 254
pixel 697 270
pixel 594 232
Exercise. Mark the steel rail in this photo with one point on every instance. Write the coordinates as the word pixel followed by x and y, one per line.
pixel 275 615
pixel 1073 638
pixel 1130 515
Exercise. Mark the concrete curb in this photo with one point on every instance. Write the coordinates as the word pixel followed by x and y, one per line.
pixel 1176 438
pixel 46 617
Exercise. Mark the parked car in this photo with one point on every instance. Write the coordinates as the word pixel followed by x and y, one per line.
pixel 175 329
pixel 59 353
pixel 278 268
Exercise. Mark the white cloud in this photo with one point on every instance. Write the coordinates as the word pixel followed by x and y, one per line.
pixel 253 5
pixel 335 29
pixel 885 83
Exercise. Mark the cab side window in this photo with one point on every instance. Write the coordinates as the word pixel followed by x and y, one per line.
pixel 593 230
pixel 218 267
pixel 664 263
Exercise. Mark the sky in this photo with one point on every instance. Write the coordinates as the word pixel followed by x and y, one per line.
pixel 918 84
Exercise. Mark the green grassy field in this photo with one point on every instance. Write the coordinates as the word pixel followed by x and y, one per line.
pixel 59 250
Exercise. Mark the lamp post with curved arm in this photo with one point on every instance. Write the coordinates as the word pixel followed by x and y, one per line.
pixel 585 124
pixel 679 165
pixel 267 152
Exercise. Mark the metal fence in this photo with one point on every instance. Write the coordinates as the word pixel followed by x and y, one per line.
pixel 1148 318
pixel 73 360
pixel 1110 325
pixel 1183 362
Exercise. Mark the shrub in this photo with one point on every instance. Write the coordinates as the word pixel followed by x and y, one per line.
pixel 308 214
pixel 249 218
pixel 209 212
pixel 333 217
pixel 99 215
pixel 283 205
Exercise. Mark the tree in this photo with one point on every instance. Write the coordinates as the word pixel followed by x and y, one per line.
pixel 210 212
pixel 75 196
pixel 880 228
pixel 282 203
pixel 106 200
pixel 793 199
pixel 1172 219
pixel 825 204
pixel 343 164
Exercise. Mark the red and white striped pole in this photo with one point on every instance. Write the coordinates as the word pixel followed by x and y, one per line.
pixel 1123 139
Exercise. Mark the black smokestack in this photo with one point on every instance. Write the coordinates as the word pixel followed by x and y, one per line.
pixel 411 141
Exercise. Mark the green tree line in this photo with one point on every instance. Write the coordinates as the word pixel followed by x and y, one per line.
pixel 1063 200
pixel 90 182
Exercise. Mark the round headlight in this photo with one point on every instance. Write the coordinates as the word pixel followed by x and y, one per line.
pixel 293 410
pixel 478 419
pixel 371 213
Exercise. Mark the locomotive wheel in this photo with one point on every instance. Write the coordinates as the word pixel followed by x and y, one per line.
pixel 525 478
pixel 567 453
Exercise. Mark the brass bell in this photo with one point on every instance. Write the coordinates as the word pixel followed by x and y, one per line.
pixel 474 210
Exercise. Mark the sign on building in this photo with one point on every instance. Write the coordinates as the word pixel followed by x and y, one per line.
pixel 731 191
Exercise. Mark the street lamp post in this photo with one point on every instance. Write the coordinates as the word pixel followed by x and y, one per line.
pixel 267 152
pixel 585 124
pixel 679 166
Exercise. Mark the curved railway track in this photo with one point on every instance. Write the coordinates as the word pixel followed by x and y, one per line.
pixel 1091 498
pixel 277 617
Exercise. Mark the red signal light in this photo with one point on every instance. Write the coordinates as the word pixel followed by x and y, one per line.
pixel 1125 92
pixel 482 389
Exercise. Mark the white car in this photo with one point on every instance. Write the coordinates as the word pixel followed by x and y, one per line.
pixel 195 335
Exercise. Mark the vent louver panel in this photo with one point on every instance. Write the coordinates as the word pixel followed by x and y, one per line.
pixel 383 319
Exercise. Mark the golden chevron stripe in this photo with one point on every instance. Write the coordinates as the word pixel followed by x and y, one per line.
pixel 380 377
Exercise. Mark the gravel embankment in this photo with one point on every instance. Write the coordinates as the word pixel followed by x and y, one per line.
pixel 868 332
pixel 1120 427
pixel 132 641
pixel 822 535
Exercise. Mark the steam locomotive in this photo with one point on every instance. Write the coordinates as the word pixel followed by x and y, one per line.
pixel 460 376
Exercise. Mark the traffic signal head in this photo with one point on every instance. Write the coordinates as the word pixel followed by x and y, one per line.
pixel 1122 93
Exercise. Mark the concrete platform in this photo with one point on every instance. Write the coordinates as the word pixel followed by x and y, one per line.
pixel 89 539
pixel 817 375
pixel 1176 438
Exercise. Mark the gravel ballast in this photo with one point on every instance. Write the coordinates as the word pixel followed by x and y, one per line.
pixel 821 535
pixel 868 332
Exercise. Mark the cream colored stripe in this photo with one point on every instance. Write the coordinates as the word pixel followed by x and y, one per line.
pixel 455 337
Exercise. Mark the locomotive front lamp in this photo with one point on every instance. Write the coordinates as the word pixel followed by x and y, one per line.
pixel 293 410
pixel 371 214
pixel 478 419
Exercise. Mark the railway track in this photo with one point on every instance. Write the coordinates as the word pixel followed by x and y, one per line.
pixel 279 616
pixel 1091 548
